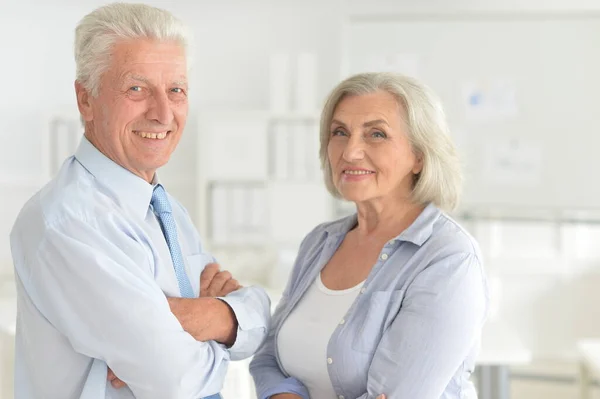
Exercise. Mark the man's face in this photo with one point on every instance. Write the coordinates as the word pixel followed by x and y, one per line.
pixel 139 114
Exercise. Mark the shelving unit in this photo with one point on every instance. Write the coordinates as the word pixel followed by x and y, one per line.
pixel 260 185
pixel 230 221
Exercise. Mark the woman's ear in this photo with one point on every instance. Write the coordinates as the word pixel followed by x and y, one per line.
pixel 418 166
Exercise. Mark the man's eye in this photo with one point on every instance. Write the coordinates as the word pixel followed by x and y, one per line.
pixel 135 88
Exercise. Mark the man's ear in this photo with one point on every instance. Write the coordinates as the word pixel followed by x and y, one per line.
pixel 83 102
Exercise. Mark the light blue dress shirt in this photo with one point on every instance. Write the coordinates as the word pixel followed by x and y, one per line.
pixel 93 273
pixel 414 330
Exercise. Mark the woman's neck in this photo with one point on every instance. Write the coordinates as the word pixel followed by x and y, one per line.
pixel 382 220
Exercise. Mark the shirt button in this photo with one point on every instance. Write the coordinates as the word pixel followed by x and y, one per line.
pixel 342 321
pixel 341 397
pixel 384 256
pixel 329 360
pixel 363 290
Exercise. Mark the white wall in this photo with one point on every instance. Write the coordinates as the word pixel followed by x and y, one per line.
pixel 233 42
pixel 444 6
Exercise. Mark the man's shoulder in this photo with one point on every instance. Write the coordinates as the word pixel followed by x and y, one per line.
pixel 71 194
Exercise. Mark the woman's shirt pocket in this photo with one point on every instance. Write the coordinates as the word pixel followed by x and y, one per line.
pixel 374 317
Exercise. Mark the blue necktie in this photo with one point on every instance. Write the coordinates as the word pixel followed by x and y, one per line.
pixel 164 212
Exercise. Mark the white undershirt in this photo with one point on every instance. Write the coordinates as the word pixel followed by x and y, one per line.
pixel 304 336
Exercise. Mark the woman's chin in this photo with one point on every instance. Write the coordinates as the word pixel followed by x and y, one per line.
pixel 355 195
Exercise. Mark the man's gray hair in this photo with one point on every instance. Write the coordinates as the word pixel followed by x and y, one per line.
pixel 97 33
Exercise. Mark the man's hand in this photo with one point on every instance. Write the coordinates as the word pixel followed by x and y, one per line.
pixel 114 380
pixel 215 283
pixel 206 319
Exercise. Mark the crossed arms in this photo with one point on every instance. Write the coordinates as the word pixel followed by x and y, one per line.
pixel 99 293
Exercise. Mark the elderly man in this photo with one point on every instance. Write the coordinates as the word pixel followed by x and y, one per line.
pixel 114 296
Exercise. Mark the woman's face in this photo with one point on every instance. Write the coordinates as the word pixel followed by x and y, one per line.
pixel 369 152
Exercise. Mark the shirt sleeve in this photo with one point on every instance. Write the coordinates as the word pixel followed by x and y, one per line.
pixel 269 379
pixel 439 323
pixel 252 309
pixel 110 308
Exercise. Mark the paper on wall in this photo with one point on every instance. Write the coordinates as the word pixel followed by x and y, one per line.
pixel 513 162
pixel 489 101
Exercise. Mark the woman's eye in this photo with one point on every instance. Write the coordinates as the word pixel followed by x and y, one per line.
pixel 338 132
pixel 378 135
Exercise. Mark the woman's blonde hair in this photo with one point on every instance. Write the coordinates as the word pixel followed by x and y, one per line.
pixel 440 180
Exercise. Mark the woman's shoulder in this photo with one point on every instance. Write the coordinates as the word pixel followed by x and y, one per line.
pixel 451 237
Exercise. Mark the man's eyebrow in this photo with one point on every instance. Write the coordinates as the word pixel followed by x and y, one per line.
pixel 180 82
pixel 139 78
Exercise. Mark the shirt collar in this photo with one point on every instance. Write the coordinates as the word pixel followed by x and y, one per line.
pixel 417 233
pixel 129 189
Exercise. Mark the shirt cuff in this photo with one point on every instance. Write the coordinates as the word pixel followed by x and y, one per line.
pixel 289 385
pixel 252 325
pixel 242 322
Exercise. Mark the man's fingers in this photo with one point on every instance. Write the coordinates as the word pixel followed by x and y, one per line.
pixel 207 275
pixel 214 282
pixel 117 383
pixel 230 286
pixel 114 381
pixel 218 282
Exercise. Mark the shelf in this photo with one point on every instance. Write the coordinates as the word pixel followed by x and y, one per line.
pixel 529 215
pixel 275 157
pixel 238 212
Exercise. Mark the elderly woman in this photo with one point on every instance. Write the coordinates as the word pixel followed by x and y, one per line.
pixel 392 299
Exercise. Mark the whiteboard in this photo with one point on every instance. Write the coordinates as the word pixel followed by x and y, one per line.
pixel 521 92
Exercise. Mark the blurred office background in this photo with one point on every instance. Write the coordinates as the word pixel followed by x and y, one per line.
pixel 520 83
